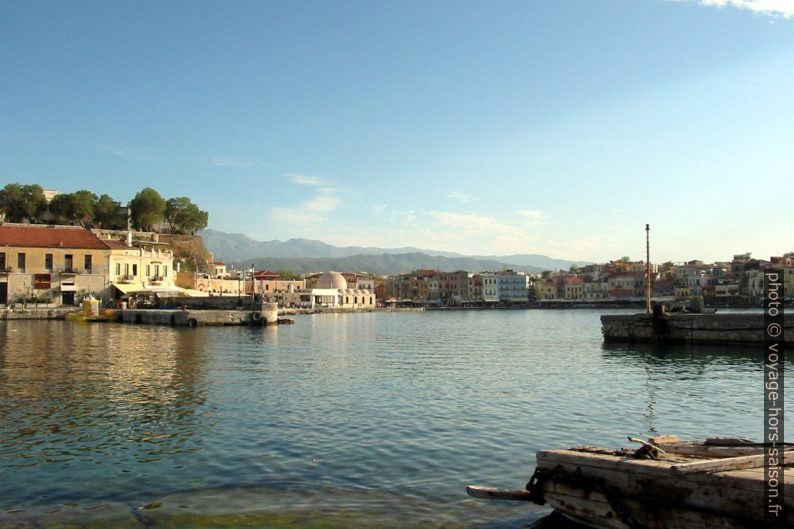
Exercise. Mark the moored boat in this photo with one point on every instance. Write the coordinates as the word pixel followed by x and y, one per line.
pixel 667 483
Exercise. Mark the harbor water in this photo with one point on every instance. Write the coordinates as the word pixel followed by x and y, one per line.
pixel 341 420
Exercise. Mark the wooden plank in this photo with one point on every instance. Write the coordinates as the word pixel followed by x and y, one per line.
pixel 733 492
pixel 666 439
pixel 701 450
pixel 488 493
pixel 729 463
pixel 593 508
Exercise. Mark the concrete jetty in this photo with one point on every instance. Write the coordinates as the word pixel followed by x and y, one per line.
pixel 266 314
pixel 690 328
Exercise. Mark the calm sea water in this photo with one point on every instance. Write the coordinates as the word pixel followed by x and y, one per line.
pixel 358 420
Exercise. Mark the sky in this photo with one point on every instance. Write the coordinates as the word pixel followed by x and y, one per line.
pixel 558 127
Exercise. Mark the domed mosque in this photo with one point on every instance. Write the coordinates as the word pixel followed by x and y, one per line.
pixel 333 280
pixel 331 291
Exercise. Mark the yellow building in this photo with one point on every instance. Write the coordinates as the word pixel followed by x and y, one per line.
pixel 141 267
pixel 55 264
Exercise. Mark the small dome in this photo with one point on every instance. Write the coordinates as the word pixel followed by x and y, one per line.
pixel 332 280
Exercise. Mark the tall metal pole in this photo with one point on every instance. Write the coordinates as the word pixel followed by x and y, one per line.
pixel 648 268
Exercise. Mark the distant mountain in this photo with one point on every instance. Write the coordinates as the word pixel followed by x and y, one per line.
pixel 533 259
pixel 237 247
pixel 382 264
pixel 306 255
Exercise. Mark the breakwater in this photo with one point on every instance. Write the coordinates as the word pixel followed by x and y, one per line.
pixel 690 328
pixel 264 314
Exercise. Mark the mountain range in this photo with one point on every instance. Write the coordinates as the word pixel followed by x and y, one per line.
pixel 306 255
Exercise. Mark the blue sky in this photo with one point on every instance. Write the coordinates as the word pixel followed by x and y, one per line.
pixel 558 127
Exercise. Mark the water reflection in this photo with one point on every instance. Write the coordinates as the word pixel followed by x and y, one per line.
pixel 404 405
pixel 89 396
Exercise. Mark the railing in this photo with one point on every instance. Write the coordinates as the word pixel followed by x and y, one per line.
pixel 6 270
pixel 69 271
pixel 156 279
pixel 126 279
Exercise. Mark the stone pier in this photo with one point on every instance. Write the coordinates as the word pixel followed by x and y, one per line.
pixel 265 314
pixel 690 328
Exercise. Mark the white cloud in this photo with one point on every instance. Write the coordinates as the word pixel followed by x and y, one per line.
pixel 314 209
pixel 229 161
pixel 534 216
pixel 321 204
pixel 472 223
pixel 463 198
pixel 136 153
pixel 781 8
pixel 305 180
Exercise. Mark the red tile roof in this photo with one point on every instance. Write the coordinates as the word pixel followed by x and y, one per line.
pixel 49 237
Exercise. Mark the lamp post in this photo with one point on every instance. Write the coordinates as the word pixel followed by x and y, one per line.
pixel 648 268
pixel 253 285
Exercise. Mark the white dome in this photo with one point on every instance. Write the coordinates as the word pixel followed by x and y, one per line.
pixel 332 280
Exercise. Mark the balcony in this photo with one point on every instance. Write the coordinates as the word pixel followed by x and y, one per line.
pixel 68 271
pixel 126 279
pixel 156 279
pixel 4 271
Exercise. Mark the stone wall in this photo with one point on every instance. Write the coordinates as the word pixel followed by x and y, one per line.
pixel 686 328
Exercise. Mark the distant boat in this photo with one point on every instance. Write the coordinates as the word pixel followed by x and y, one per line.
pixel 666 483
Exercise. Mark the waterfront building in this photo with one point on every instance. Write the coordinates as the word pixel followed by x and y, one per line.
pixel 56 264
pixel 453 286
pixel 513 287
pixel 594 290
pixel 574 288
pixel 330 291
pixel 631 285
pixel 490 287
pixel 141 267
pixel 546 289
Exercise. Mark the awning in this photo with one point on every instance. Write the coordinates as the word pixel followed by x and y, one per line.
pixel 162 290
pixel 124 289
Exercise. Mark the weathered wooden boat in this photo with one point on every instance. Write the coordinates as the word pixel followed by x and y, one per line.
pixel 666 483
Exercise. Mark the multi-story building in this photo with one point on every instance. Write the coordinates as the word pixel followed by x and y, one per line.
pixel 453 286
pixel 513 287
pixel 574 288
pixel 546 289
pixel 594 290
pixel 59 264
pixel 490 287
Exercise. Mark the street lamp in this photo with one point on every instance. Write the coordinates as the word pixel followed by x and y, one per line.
pixel 253 284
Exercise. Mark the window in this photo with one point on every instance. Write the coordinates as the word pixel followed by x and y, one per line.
pixel 118 269
pixel 148 270
pixel 68 262
pixel 21 262
pixel 88 263
pixel 156 270
pixel 135 270
pixel 165 271
pixel 48 261
pixel 2 260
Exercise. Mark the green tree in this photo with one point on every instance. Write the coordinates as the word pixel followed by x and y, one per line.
pixel 77 207
pixel 287 275
pixel 148 209
pixel 22 202
pixel 184 216
pixel 61 207
pixel 83 207
pixel 107 212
